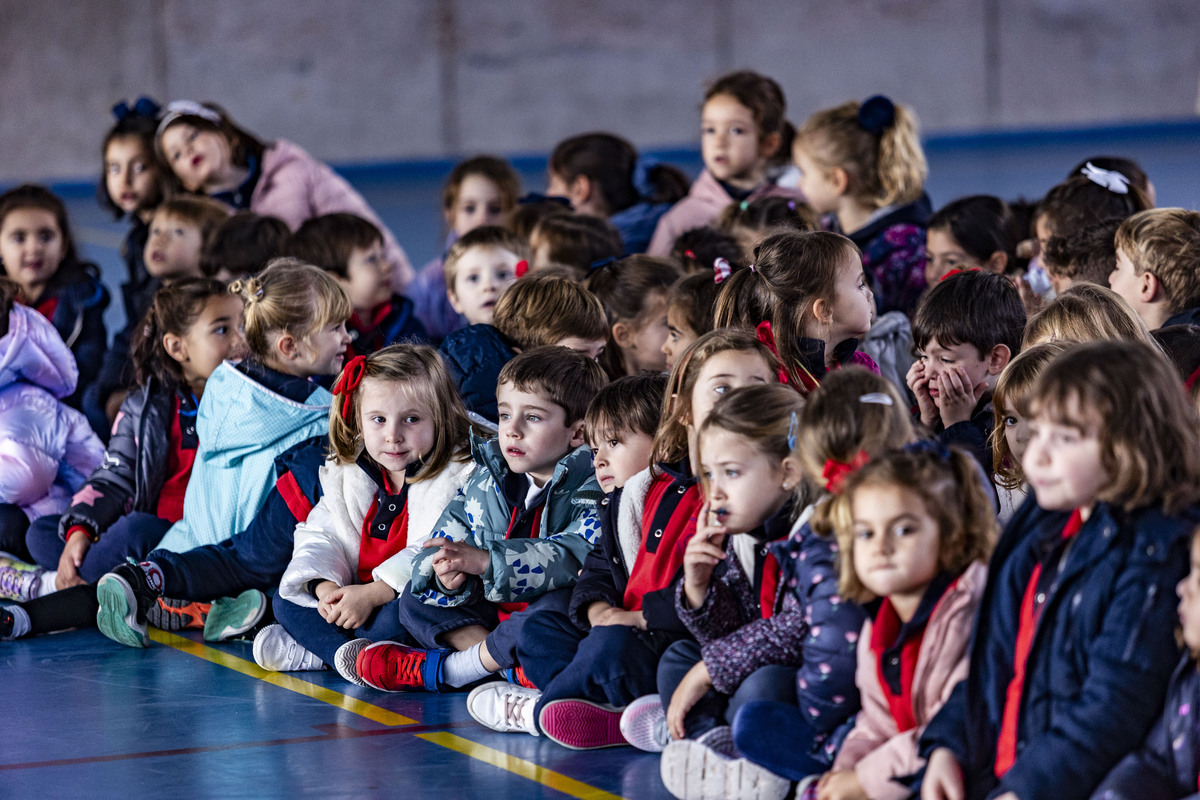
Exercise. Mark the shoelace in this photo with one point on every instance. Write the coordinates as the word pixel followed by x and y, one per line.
pixel 514 709
pixel 408 669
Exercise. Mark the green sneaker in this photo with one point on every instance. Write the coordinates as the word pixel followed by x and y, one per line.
pixel 230 617
pixel 125 596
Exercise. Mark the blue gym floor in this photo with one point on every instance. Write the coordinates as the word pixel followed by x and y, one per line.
pixel 85 717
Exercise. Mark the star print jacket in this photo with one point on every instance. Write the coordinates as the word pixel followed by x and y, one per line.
pixel 520 569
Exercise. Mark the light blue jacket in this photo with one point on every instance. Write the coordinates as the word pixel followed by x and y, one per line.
pixel 242 426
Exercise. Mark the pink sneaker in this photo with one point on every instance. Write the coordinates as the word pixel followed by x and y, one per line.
pixel 582 724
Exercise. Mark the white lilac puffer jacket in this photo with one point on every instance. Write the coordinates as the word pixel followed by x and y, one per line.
pixel 47 450
pixel 327 543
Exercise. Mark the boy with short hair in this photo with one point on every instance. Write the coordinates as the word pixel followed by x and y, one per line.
pixel 620 425
pixel 352 250
pixel 966 329
pixel 516 535
pixel 479 266
pixel 178 230
pixel 536 311
pixel 1158 266
pixel 243 245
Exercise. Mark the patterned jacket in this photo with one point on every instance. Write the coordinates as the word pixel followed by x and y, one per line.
pixel 525 568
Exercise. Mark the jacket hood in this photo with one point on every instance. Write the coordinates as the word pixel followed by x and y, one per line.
pixel 33 352
pixel 239 416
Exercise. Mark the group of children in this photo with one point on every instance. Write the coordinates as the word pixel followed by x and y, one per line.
pixel 812 490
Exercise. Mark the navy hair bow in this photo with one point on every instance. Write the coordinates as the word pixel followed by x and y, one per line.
pixel 143 107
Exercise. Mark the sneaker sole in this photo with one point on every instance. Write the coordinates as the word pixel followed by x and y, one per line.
pixel 177 615
pixel 117 616
pixel 346 659
pixel 231 617
pixel 581 724
pixel 639 721
pixel 691 770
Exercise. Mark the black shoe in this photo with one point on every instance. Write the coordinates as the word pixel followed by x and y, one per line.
pixel 125 596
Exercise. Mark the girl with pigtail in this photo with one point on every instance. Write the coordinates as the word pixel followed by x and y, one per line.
pixel 862 164
pixel 807 296
pixel 398 444
pixel 854 416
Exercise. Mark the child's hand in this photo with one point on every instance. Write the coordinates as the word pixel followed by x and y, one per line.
pixel 943 777
pixel 693 686
pixel 704 551
pixel 619 616
pixel 70 561
pixel 919 384
pixel 458 557
pixel 841 785
pixel 350 607
pixel 956 396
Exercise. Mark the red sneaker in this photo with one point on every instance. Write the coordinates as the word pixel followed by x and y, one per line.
pixel 394 667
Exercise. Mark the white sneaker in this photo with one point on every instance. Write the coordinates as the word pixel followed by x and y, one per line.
pixel 504 707
pixel 692 771
pixel 346 657
pixel 276 651
pixel 644 724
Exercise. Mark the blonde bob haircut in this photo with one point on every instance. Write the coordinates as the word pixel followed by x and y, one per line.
pixel 289 297
pixel 424 373
pixel 1130 396
pixel 1166 243
pixel 954 495
pixel 1087 312
pixel 671 441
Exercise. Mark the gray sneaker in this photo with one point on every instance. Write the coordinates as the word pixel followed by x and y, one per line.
pixel 644 724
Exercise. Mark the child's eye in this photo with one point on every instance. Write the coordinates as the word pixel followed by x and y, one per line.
pixel 721 388
pixel 904 530
pixel 707 130
pixel 732 473
pixel 504 416
pixel 469 208
pixel 377 419
pixel 472 279
pixel 1010 422
pixel 412 419
pixel 863 534
pixel 494 209
pixel 221 330
pixel 504 274
pixel 614 442
pixel 533 418
pixel 737 130
pixel 595 452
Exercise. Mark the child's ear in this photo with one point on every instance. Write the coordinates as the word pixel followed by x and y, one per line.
pixel 579 434
pixel 822 311
pixel 176 348
pixel 457 306
pixel 1150 288
pixel 840 179
pixel 997 262
pixel 769 145
pixel 792 474
pixel 622 333
pixel 579 191
pixel 998 358
pixel 288 347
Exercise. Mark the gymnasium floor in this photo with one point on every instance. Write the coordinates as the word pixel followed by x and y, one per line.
pixel 84 717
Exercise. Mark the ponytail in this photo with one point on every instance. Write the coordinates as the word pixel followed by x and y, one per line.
pixel 174 309
pixel 289 297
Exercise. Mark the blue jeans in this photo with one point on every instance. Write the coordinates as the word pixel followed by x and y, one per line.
pixel 777 736
pixel 132 536
pixel 427 623
pixel 772 682
pixel 612 664
pixel 252 559
pixel 309 628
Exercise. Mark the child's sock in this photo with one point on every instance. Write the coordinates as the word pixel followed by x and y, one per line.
pixel 154 575
pixel 14 622
pixel 464 667
pixel 45 584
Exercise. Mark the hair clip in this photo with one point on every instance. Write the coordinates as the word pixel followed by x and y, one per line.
pixel 791 204
pixel 753 267
pixel 876 398
pixel 835 472
pixel 1110 179
pixel 722 269
pixel 142 107
pixel 954 272
pixel 930 446
pixel 601 263
pixel 348 381
pixel 876 114
pixel 690 254
pixel 791 434
pixel 521 268
pixel 742 206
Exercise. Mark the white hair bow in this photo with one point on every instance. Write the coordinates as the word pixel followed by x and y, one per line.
pixel 1109 179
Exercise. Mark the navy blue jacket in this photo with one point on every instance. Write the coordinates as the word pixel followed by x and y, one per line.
pixel 1165 767
pixel 1100 660
pixel 475 356
pixel 79 320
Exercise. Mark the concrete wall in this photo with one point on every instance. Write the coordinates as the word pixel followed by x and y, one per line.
pixel 368 80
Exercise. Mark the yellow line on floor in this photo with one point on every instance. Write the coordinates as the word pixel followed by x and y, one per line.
pixel 518 766
pixel 281 679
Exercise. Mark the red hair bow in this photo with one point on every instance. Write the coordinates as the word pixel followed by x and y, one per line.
pixel 722 269
pixel 521 268
pixel 348 381
pixel 836 472
pixel 763 334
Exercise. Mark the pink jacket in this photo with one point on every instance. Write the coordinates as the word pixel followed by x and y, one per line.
pixel 294 186
pixel 875 749
pixel 703 203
